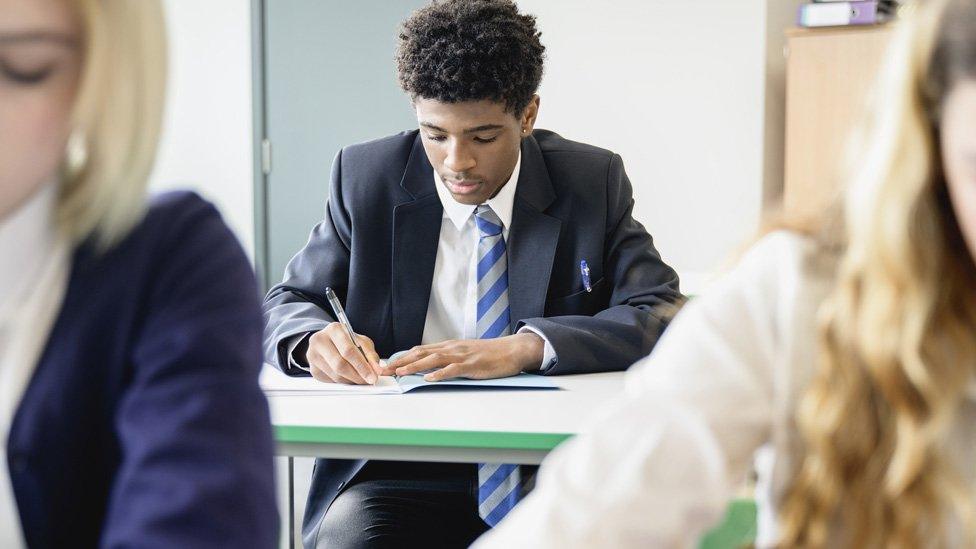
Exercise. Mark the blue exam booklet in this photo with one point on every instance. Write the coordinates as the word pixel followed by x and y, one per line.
pixel 521 381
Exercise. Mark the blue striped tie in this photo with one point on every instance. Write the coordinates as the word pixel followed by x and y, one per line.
pixel 498 483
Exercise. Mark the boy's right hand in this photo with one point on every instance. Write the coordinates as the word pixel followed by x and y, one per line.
pixel 333 358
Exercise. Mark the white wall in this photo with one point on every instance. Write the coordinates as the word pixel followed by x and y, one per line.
pixel 206 143
pixel 678 90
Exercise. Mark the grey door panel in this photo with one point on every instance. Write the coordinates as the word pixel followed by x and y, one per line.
pixel 330 81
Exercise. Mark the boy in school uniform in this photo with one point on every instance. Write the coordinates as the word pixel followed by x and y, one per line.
pixel 484 246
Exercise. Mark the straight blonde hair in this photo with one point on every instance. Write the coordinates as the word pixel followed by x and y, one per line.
pixel 897 333
pixel 116 119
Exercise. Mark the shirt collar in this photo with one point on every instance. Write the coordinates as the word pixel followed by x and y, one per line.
pixel 27 236
pixel 502 203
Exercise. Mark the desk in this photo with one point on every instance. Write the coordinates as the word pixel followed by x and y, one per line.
pixel 473 426
pixel 463 426
pixel 470 426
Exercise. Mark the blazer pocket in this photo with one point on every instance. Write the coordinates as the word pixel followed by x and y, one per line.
pixel 582 302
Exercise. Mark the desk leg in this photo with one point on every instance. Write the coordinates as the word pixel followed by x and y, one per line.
pixel 291 502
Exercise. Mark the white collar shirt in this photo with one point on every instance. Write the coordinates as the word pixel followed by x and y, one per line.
pixel 33 278
pixel 451 310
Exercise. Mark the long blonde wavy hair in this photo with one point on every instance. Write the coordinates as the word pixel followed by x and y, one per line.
pixel 116 120
pixel 897 333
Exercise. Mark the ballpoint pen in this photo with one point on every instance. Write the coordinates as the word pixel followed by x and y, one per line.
pixel 585 272
pixel 343 319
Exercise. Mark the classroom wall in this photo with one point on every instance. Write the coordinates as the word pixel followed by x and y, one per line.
pixel 680 92
pixel 206 141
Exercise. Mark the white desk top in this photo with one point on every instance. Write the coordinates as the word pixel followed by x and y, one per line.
pixel 528 411
pixel 462 425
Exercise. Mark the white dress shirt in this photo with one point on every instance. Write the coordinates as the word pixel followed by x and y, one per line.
pixel 452 308
pixel 657 467
pixel 33 278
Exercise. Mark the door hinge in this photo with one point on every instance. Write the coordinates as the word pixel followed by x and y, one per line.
pixel 266 156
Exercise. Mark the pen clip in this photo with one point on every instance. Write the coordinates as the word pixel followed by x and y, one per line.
pixel 585 271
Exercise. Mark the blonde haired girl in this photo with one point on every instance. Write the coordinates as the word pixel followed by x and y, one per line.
pixel 130 412
pixel 841 362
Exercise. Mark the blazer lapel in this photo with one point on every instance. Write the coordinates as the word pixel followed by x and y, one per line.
pixel 416 230
pixel 532 238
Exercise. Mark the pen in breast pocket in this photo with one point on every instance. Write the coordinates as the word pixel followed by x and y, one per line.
pixel 585 271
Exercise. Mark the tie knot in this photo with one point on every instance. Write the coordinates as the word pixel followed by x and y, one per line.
pixel 488 222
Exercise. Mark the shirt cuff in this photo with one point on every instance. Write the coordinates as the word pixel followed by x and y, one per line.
pixel 548 354
pixel 292 345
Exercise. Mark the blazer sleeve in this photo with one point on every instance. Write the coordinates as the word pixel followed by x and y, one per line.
pixel 192 423
pixel 297 306
pixel 656 467
pixel 644 295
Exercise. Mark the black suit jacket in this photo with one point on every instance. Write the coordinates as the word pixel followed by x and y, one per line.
pixel 377 245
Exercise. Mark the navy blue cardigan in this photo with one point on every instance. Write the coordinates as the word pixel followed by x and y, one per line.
pixel 144 425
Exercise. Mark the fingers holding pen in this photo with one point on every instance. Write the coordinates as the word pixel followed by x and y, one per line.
pixel 332 352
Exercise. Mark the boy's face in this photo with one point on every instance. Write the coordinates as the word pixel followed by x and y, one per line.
pixel 473 145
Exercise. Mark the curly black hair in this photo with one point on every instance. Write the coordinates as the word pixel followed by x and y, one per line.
pixel 469 50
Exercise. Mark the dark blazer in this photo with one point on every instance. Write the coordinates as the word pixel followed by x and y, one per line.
pixel 143 424
pixel 378 243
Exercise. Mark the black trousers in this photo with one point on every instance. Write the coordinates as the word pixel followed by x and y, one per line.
pixel 404 505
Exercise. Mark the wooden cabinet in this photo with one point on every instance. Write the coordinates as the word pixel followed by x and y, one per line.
pixel 829 76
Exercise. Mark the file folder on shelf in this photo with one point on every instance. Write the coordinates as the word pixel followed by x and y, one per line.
pixel 829 14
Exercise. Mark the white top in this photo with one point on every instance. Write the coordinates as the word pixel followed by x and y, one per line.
pixel 498 411
pixel 33 278
pixel 657 467
pixel 452 308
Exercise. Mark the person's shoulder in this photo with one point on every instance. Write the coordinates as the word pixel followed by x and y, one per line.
pixel 176 223
pixel 784 272
pixel 165 217
pixel 175 205
pixel 579 169
pixel 174 212
pixel 784 251
pixel 178 233
pixel 767 298
pixel 396 146
pixel 551 143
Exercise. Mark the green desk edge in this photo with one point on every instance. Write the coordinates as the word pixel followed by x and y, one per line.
pixel 301 434
pixel 737 529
